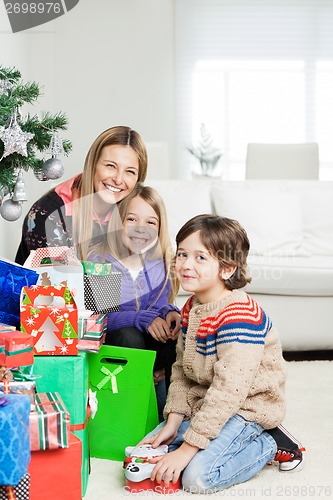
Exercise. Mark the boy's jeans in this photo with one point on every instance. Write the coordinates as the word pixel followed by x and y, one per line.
pixel 241 450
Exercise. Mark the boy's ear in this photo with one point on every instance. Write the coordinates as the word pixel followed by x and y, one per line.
pixel 228 271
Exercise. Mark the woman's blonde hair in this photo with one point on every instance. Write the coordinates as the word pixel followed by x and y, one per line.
pixel 162 249
pixel 83 210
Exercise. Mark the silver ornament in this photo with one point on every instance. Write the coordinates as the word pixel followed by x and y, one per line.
pixel 55 147
pixel 53 168
pixel 41 176
pixel 19 190
pixel 11 210
pixel 5 86
pixel 15 140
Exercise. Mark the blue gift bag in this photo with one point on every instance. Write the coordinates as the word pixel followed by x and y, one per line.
pixel 12 278
pixel 14 438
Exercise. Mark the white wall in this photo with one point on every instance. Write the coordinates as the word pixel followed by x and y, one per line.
pixel 104 63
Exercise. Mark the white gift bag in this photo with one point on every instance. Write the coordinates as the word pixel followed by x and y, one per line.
pixel 63 266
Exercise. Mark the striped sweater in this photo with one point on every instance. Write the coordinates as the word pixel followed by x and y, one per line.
pixel 229 361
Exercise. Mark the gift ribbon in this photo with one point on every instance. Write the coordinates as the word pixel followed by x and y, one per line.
pixel 19 351
pixel 10 492
pixel 110 376
pixel 21 375
pixel 6 387
pixel 80 427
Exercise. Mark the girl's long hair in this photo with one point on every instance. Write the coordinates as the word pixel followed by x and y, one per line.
pixel 83 188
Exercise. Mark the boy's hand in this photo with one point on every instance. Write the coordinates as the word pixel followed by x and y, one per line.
pixel 169 466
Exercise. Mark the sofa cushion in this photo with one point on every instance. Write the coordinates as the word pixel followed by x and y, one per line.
pixel 183 200
pixel 270 212
pixel 304 276
pixel 317 208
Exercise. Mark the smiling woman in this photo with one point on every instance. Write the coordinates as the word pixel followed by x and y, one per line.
pixel 77 211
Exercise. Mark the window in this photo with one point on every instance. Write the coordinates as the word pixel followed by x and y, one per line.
pixel 254 71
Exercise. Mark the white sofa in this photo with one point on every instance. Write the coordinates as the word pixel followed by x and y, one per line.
pixel 290 226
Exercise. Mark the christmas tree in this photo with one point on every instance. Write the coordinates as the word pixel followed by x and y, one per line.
pixel 24 141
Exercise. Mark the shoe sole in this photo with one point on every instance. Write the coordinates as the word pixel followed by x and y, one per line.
pixel 298 466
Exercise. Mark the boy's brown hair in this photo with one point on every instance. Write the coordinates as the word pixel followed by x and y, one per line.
pixel 226 240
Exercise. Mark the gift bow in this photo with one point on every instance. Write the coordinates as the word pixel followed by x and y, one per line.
pixel 110 376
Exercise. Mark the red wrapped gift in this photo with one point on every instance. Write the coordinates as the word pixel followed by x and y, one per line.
pixel 56 474
pixel 49 423
pixel 49 314
pixel 92 331
pixel 16 349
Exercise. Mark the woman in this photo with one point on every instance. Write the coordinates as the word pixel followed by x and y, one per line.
pixel 77 211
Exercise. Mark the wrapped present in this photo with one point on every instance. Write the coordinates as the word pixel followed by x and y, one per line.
pixel 49 423
pixel 99 268
pixel 14 438
pixel 68 376
pixel 56 474
pixel 50 315
pixel 101 287
pixel 58 265
pixel 26 388
pixel 92 330
pixel 19 492
pixel 12 278
pixel 16 348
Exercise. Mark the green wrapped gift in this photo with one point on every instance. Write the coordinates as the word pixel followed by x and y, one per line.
pixel 68 375
pixel 99 268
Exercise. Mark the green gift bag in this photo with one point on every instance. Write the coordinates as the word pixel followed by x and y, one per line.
pixel 121 379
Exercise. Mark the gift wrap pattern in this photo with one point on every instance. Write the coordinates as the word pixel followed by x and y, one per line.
pixel 27 388
pixel 101 287
pixel 12 278
pixel 54 328
pixel 92 332
pixel 49 423
pixel 21 490
pixel 14 438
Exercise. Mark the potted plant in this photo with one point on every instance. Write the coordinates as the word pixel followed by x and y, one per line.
pixel 207 154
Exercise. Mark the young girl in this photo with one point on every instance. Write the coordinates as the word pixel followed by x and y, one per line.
pixel 227 387
pixel 139 247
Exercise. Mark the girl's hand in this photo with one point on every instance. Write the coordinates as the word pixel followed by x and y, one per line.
pixel 159 375
pixel 159 329
pixel 173 321
pixel 169 467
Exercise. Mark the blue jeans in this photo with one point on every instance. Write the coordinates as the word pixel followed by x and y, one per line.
pixel 241 450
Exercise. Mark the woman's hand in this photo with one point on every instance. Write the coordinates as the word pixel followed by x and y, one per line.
pixel 169 466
